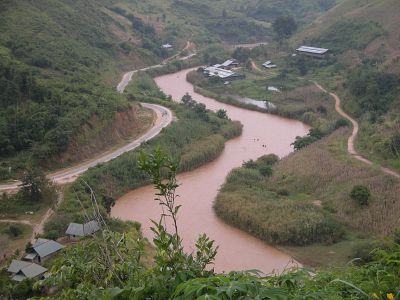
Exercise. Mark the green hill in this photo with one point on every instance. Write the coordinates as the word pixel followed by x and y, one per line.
pixel 363 36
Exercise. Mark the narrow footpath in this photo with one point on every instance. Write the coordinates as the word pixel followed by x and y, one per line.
pixel 351 141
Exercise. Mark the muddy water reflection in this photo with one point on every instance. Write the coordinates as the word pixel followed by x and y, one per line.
pixel 238 250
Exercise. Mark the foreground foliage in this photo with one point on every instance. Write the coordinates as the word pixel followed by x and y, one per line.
pixel 109 266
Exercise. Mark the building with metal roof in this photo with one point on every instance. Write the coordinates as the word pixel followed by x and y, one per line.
pixel 229 64
pixel 43 249
pixel 81 230
pixel 21 270
pixel 269 65
pixel 167 46
pixel 313 51
pixel 216 71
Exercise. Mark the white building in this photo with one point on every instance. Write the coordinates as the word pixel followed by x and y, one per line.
pixel 313 51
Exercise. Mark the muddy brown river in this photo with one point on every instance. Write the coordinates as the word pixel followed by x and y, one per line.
pixel 237 250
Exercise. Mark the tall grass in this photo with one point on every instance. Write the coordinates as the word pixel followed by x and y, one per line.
pixel 308 197
pixel 244 203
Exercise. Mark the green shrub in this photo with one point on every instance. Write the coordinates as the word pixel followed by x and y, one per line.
pixel 283 192
pixel 361 194
pixel 13 231
pixel 266 171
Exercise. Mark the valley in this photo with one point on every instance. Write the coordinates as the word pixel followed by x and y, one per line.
pixel 220 150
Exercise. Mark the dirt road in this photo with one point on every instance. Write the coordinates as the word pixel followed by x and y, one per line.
pixel 351 141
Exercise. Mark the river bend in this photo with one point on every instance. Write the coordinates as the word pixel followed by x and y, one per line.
pixel 237 249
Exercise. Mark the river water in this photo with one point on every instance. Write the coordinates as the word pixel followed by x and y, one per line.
pixel 237 250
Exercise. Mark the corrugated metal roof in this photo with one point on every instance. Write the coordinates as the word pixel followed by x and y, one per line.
pixel 83 229
pixel 33 270
pixel 91 227
pixel 75 229
pixel 221 73
pixel 44 247
pixel 313 50
pixel 228 62
pixel 25 269
pixel 17 265
pixel 30 256
pixel 18 278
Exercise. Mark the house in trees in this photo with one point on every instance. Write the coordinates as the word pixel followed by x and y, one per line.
pixel 21 270
pixel 313 51
pixel 42 250
pixel 82 230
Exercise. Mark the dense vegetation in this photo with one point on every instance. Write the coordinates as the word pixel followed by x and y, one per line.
pixel 51 58
pixel 268 10
pixel 270 214
pixel 346 34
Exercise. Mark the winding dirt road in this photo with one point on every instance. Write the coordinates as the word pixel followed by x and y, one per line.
pixel 163 119
pixel 351 141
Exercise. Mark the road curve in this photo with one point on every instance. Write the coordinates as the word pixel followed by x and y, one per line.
pixel 351 141
pixel 164 118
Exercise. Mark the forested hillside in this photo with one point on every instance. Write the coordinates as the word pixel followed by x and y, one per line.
pixel 303 10
pixel 53 55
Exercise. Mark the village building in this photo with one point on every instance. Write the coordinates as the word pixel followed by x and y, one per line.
pixel 313 51
pixel 229 64
pixel 226 75
pixel 43 249
pixel 81 230
pixel 167 46
pixel 269 65
pixel 21 270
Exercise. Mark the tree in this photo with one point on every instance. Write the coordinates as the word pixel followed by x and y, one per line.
pixel 221 113
pixel 13 231
pixel 284 26
pixel 242 54
pixel 187 100
pixel 33 184
pixel 108 202
pixel 361 194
